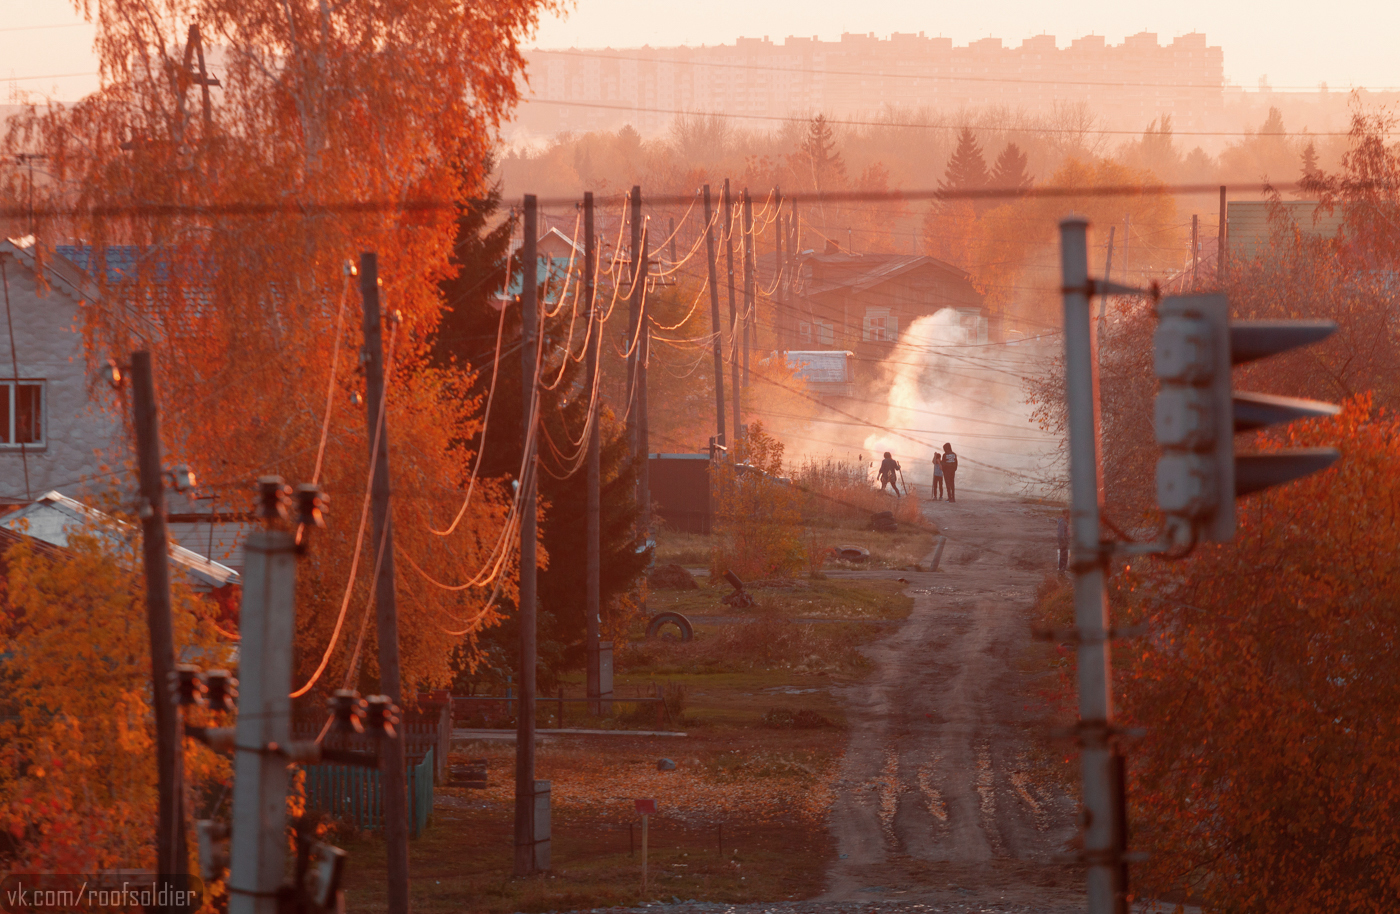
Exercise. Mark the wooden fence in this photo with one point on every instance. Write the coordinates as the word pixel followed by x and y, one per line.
pixel 356 794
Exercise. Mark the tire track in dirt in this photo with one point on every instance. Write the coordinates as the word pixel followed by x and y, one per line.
pixel 937 799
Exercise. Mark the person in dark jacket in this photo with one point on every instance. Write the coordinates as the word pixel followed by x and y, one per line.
pixel 889 473
pixel 950 470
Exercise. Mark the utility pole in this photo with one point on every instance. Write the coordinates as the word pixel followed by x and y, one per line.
pixel 1102 813
pixel 392 759
pixel 634 315
pixel 674 259
pixel 171 854
pixel 1127 243
pixel 778 272
pixel 1221 241
pixel 749 309
pixel 714 318
pixel 528 848
pixel 1195 248
pixel 643 430
pixel 266 630
pixel 592 599
pixel 1102 324
pixel 733 309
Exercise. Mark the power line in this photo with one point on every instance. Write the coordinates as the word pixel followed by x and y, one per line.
pixel 794 119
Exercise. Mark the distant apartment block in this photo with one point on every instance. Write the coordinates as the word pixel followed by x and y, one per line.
pixel 1128 85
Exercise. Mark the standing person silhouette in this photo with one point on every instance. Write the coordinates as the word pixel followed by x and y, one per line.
pixel 889 473
pixel 949 463
pixel 937 476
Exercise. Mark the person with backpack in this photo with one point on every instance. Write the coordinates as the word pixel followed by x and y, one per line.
pixel 937 477
pixel 889 473
pixel 949 462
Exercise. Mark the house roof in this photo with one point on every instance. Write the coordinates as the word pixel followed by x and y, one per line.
pixel 52 518
pixel 861 272
pixel 61 273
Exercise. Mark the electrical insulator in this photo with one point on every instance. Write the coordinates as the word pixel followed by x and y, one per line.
pixel 274 497
pixel 381 716
pixel 188 684
pixel 348 709
pixel 222 690
pixel 311 505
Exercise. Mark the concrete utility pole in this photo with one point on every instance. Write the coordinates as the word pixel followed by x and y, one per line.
pixel 750 316
pixel 395 766
pixel 531 854
pixel 714 319
pixel 171 855
pixel 674 260
pixel 1103 815
pixel 733 309
pixel 266 629
pixel 593 584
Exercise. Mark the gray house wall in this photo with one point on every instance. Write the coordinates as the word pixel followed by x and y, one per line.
pixel 48 346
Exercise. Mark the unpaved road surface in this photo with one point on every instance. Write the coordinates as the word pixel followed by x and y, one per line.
pixel 939 803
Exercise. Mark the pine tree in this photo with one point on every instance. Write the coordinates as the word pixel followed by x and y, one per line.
pixel 1010 172
pixel 1311 171
pixel 967 169
pixel 818 159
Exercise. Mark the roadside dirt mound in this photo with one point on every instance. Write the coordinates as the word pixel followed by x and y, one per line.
pixel 671 577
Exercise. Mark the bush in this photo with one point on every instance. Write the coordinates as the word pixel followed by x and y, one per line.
pixel 758 526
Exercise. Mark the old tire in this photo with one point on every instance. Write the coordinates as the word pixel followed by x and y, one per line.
pixel 661 620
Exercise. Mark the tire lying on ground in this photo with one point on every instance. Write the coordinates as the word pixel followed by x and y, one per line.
pixel 661 620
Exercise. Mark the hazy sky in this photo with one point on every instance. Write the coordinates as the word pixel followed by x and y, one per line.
pixel 1344 42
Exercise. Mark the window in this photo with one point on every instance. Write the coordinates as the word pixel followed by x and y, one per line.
pixel 822 333
pixel 21 412
pixel 880 326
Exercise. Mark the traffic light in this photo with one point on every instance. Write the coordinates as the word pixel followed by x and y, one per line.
pixel 1197 413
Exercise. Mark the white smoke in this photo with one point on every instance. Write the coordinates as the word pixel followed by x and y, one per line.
pixel 947 389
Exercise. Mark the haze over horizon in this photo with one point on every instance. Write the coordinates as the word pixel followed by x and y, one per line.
pixel 1293 48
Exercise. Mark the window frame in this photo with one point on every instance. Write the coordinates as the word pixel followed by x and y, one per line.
pixel 9 389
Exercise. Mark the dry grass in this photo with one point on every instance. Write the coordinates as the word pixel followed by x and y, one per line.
pixel 810 599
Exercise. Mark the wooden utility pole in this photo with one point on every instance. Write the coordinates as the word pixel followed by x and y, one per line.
pixel 1195 248
pixel 392 749
pixel 527 847
pixel 171 854
pixel 593 584
pixel 634 313
pixel 750 324
pixel 674 260
pixel 714 319
pixel 778 272
pixel 643 431
pixel 1220 243
pixel 733 309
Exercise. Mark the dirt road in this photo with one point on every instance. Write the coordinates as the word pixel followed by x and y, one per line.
pixel 938 801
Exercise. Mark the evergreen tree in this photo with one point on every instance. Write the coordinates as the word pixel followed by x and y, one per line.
pixel 466 339
pixel 818 160
pixel 1311 171
pixel 1010 172
pixel 967 169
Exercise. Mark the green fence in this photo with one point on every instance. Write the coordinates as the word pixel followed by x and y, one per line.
pixel 356 794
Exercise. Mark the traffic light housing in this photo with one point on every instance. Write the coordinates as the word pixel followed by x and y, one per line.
pixel 1197 413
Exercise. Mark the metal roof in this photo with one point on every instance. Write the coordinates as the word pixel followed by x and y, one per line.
pixel 53 517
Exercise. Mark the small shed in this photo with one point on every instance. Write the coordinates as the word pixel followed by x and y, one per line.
pixel 680 490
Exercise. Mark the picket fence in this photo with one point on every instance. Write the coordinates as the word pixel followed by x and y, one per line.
pixel 356 794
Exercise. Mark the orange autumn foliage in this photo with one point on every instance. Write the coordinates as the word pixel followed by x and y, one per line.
pixel 1268 780
pixel 338 128
pixel 77 757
